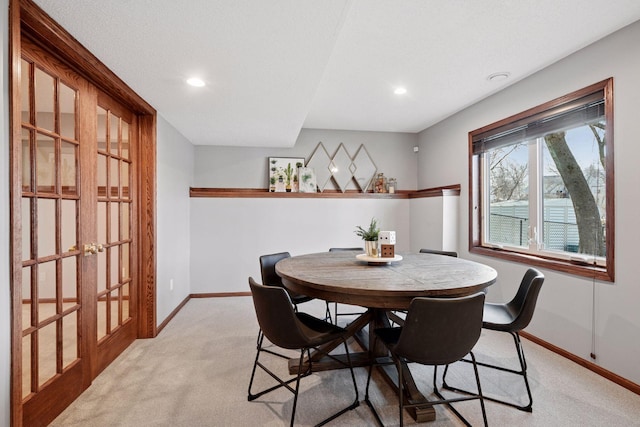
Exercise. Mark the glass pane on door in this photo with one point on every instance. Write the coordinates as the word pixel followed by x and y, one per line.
pixel 25 79
pixel 45 163
pixel 44 100
pixel 46 229
pixel 67 112
pixel 26 228
pixel 68 226
pixel 114 222
pixel 26 366
pixel 69 339
pixel 47 357
pixel 101 136
pixel 46 290
pixel 26 159
pixel 69 159
pixel 50 222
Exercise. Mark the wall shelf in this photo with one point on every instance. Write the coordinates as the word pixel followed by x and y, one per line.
pixel 450 190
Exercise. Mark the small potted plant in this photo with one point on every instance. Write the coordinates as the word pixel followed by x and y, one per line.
pixel 289 172
pixel 370 237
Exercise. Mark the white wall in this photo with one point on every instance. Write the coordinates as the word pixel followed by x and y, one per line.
pixel 174 177
pixel 242 167
pixel 434 223
pixel 5 261
pixel 563 315
pixel 228 235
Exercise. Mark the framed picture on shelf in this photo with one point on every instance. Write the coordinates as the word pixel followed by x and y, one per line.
pixel 307 180
pixel 283 174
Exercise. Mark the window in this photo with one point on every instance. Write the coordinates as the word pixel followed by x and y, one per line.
pixel 542 185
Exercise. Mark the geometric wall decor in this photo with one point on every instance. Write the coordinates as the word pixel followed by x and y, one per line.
pixel 365 169
pixel 342 167
pixel 321 163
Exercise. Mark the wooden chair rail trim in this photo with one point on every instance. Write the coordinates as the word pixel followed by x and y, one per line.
pixel 449 190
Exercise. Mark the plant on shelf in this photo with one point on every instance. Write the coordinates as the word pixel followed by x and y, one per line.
pixel 370 237
pixel 288 171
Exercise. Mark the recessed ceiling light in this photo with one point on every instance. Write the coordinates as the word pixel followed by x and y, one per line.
pixel 195 81
pixel 400 91
pixel 498 77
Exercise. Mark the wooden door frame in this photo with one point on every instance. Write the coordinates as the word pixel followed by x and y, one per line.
pixel 26 19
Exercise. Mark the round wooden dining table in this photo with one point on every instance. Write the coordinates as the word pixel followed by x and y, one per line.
pixel 381 287
pixel 342 277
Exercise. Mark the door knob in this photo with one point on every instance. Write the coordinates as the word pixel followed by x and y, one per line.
pixel 90 249
pixel 93 248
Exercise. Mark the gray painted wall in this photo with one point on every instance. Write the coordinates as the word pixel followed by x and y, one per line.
pixel 175 176
pixel 242 167
pixel 563 315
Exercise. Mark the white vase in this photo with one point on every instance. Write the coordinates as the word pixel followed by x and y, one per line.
pixel 371 247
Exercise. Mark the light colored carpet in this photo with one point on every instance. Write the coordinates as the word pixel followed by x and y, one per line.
pixel 196 373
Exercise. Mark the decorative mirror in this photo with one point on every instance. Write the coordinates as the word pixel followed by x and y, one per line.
pixel 365 169
pixel 341 168
pixel 320 162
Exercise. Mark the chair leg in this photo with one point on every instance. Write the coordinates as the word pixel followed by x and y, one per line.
pixel 301 373
pixel 366 393
pixel 400 392
pixel 448 402
pixel 475 371
pixel 336 313
pixel 327 314
pixel 258 339
pixel 522 372
pixel 356 401
pixel 441 397
pixel 443 400
pixel 295 394
pixel 256 364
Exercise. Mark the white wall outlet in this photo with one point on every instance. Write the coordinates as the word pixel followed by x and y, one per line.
pixel 171 284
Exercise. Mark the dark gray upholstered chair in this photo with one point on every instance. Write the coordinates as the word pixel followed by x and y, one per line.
pixel 335 309
pixel 513 317
pixel 437 331
pixel 271 278
pixel 288 329
pixel 437 252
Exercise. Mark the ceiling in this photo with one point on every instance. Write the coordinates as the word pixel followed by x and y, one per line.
pixel 274 67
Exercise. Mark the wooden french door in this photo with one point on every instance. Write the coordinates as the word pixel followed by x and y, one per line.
pixel 115 297
pixel 76 215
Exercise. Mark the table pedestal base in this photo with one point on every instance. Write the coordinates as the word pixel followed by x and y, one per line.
pixel 374 318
